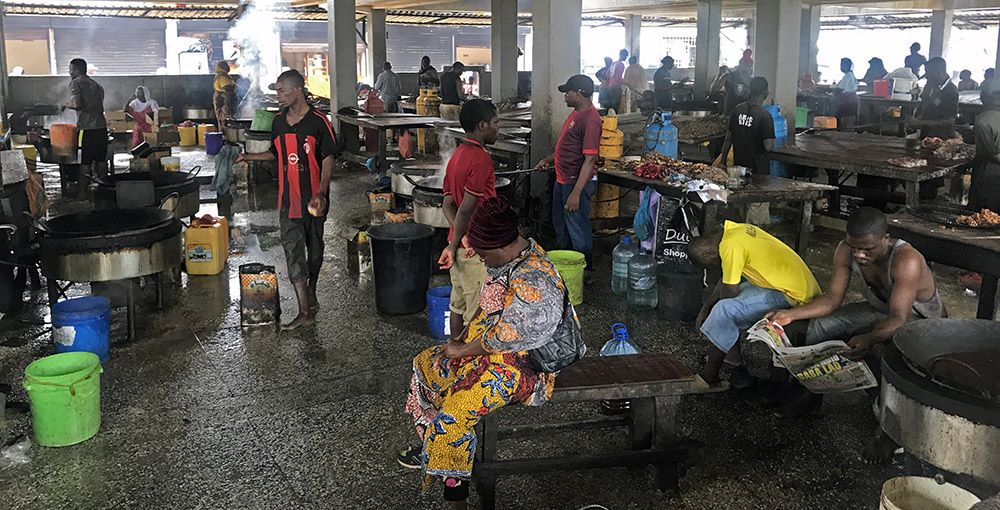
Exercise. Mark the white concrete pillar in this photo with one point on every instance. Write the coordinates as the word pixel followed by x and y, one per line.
pixel 776 56
pixel 633 29
pixel 503 49
pixel 997 64
pixel 555 57
pixel 706 56
pixel 53 65
pixel 751 34
pixel 173 63
pixel 940 32
pixel 4 72
pixel 375 38
pixel 808 39
pixel 342 60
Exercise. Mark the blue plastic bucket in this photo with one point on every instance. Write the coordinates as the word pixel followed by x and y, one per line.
pixel 213 143
pixel 82 325
pixel 438 311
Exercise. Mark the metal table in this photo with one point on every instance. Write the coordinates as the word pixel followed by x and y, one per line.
pixel 384 121
pixel 971 249
pixel 836 152
pixel 762 188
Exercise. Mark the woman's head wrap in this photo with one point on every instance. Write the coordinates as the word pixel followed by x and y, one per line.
pixel 493 225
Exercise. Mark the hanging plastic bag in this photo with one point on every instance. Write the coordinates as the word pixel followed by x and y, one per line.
pixel 406 146
pixel 620 343
pixel 643 223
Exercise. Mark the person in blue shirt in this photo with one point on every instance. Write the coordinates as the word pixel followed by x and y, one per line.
pixel 845 97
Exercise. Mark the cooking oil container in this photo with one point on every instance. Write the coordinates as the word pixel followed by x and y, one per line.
pixel 605 201
pixel 204 129
pixel 609 123
pixel 612 143
pixel 432 108
pixel 206 246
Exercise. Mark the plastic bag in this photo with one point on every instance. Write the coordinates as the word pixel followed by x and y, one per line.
pixel 643 224
pixel 406 145
pixel 620 343
pixel 15 454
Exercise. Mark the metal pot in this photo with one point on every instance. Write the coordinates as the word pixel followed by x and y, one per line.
pixel 401 185
pixel 198 113
pixel 235 130
pixel 164 183
pixel 435 184
pixel 257 146
pixel 427 208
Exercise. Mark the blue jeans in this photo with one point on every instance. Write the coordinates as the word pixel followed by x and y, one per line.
pixel 731 316
pixel 573 229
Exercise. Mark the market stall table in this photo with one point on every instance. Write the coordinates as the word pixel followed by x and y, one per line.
pixel 384 121
pixel 761 188
pixel 970 249
pixel 836 152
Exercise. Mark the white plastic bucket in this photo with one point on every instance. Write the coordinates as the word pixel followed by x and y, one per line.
pixel 922 493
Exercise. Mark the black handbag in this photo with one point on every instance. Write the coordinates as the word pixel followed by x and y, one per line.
pixel 566 346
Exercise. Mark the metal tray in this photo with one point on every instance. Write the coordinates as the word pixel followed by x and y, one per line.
pixel 946 215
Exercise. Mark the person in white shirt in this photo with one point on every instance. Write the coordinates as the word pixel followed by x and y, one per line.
pixel 387 86
pixel 845 97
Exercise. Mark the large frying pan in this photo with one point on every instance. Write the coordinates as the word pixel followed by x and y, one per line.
pixel 963 353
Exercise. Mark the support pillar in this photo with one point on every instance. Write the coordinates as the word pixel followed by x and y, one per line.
pixel 173 63
pixel 503 49
pixel 375 37
pixel 342 57
pixel 776 56
pixel 4 82
pixel 941 21
pixel 555 57
pixel 808 39
pixel 633 29
pixel 706 57
pixel 751 25
pixel 997 64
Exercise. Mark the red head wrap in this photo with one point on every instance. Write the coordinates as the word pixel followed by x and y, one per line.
pixel 493 225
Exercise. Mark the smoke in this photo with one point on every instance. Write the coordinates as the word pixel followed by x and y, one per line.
pixel 446 147
pixel 259 60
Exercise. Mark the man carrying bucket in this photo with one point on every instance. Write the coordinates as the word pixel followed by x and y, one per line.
pixel 306 149
pixel 468 179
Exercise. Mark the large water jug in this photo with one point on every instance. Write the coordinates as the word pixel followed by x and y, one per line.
pixel 661 135
pixel 780 138
pixel 620 256
pixel 642 292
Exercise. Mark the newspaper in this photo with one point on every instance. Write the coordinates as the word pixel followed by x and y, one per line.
pixel 821 368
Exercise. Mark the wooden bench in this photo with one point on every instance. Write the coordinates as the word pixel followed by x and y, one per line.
pixel 653 382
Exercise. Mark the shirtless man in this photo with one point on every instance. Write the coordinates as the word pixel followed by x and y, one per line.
pixel 898 287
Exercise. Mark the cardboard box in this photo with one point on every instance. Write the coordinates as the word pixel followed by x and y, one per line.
pixel 116 115
pixel 166 115
pixel 120 126
pixel 162 138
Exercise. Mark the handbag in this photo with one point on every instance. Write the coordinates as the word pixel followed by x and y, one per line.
pixel 566 346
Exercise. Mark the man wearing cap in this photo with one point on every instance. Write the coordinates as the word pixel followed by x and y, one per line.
pixel 306 149
pixel 575 162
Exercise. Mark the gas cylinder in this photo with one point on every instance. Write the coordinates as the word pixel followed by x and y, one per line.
pixel 661 135
pixel 421 110
pixel 432 108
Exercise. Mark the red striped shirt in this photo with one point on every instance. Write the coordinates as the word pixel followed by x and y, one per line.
pixel 300 150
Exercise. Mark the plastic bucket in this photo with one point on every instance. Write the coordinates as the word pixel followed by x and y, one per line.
pixel 680 290
pixel 401 263
pixel 63 138
pixel 439 311
pixel 213 143
pixel 82 325
pixel 570 265
pixel 922 493
pixel 188 136
pixel 65 393
pixel 204 129
pixel 262 120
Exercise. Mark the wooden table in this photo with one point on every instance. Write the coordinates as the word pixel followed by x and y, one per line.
pixel 836 152
pixel 971 249
pixel 384 121
pixel 762 188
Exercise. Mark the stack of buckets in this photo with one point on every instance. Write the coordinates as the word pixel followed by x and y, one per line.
pixel 605 201
pixel 65 388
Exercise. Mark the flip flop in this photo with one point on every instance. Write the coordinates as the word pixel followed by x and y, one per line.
pixel 700 386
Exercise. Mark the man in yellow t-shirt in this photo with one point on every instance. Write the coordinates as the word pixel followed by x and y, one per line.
pixel 759 274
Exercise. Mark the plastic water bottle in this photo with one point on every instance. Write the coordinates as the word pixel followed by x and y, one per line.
pixel 619 345
pixel 642 291
pixel 620 256
pixel 780 137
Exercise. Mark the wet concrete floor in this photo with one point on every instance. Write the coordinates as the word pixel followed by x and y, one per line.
pixel 197 413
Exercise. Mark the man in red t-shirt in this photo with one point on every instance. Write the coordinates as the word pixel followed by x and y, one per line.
pixel 468 179
pixel 575 160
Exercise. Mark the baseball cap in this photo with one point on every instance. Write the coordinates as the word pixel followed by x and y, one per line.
pixel 580 83
pixel 289 75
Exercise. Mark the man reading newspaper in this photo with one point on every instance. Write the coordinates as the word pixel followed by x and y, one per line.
pixel 759 274
pixel 898 287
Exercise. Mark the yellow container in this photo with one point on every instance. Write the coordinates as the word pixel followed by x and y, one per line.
pixel 825 122
pixel 612 142
pixel 202 129
pixel 427 141
pixel 609 123
pixel 605 201
pixel 206 247
pixel 189 136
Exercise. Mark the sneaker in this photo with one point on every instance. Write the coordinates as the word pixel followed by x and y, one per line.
pixel 410 458
pixel 740 378
pixel 807 404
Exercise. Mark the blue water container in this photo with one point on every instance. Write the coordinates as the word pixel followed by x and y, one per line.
pixel 661 135
pixel 82 325
pixel 778 168
pixel 438 311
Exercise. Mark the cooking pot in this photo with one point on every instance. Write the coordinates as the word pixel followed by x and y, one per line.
pixel 401 185
pixel 164 184
pixel 198 113
pixel 257 146
pixel 435 184
pixel 235 130
pixel 427 208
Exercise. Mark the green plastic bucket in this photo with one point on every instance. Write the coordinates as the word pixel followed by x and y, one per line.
pixel 262 120
pixel 65 393
pixel 570 265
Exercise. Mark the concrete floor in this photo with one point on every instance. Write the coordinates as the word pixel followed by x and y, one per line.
pixel 199 414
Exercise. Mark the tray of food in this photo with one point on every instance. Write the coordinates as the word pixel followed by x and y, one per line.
pixel 947 150
pixel 955 216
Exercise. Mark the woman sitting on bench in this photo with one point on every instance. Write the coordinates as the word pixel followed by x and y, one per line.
pixel 456 384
